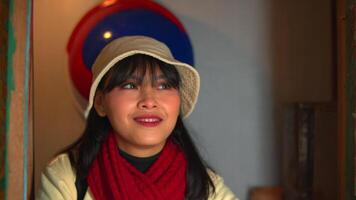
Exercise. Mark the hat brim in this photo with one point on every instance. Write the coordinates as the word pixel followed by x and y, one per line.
pixel 189 88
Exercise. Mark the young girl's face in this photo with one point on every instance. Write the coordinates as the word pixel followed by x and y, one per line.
pixel 142 112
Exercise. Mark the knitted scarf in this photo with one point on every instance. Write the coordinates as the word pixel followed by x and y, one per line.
pixel 112 177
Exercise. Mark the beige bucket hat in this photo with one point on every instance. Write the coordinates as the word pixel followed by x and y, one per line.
pixel 127 46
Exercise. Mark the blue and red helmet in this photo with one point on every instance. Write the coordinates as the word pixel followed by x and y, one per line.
pixel 113 19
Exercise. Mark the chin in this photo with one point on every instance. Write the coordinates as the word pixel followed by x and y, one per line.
pixel 151 142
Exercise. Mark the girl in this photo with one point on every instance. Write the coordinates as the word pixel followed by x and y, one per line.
pixel 135 145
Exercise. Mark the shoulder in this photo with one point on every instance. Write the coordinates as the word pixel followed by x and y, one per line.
pixel 61 167
pixel 222 192
pixel 58 180
pixel 60 162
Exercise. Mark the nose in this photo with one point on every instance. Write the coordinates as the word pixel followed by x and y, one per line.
pixel 147 99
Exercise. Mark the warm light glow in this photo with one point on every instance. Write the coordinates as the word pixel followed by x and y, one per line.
pixel 107 35
pixel 108 3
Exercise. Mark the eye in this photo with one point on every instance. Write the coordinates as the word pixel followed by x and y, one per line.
pixel 164 86
pixel 129 85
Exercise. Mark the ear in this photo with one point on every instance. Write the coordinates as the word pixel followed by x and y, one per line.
pixel 99 103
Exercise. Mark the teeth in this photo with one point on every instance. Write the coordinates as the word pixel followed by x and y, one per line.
pixel 148 120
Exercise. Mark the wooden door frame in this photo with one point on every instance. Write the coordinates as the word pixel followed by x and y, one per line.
pixel 346 86
pixel 17 122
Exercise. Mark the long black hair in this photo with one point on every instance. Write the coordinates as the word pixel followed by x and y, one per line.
pixel 83 152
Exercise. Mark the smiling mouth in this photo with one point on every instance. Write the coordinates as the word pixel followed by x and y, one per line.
pixel 148 121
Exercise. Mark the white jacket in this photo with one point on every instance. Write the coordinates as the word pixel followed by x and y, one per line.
pixel 58 183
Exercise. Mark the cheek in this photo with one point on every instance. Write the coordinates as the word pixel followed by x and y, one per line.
pixel 117 105
pixel 172 105
pixel 177 105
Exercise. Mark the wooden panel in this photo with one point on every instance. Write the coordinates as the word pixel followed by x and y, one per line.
pixel 298 133
pixel 341 106
pixel 302 51
pixel 352 95
pixel 325 153
pixel 309 153
pixel 267 193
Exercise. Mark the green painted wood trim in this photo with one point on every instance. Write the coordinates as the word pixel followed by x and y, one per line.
pixel 10 84
pixel 26 95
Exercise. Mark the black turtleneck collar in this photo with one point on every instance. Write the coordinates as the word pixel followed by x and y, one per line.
pixel 142 164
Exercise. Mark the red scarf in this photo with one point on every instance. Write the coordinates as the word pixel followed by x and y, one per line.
pixel 111 177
